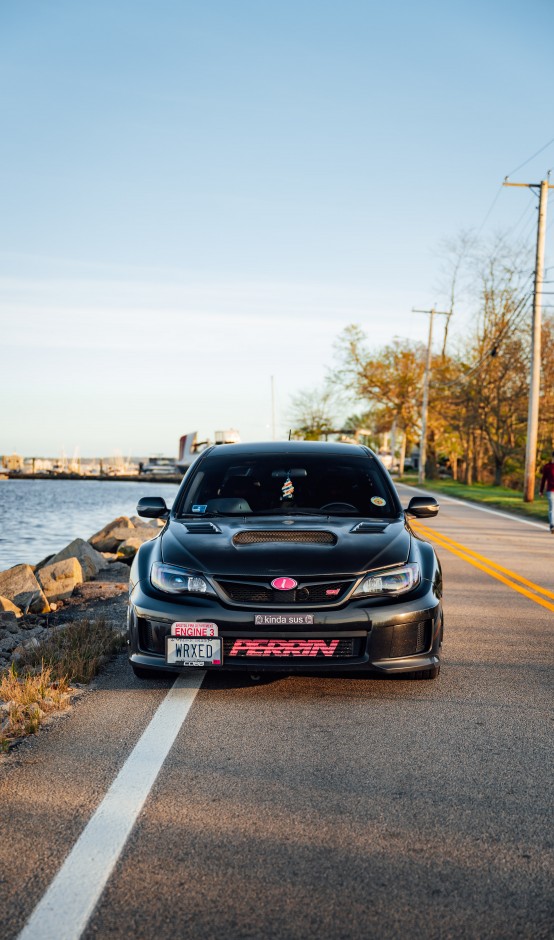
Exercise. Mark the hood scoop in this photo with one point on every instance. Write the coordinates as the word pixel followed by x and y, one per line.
pixel 201 528
pixel 255 536
pixel 364 528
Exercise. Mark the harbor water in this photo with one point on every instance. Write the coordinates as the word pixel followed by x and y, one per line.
pixel 40 517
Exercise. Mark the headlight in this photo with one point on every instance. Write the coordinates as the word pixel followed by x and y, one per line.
pixel 173 580
pixel 392 581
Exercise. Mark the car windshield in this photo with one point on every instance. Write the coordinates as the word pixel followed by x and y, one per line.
pixel 289 484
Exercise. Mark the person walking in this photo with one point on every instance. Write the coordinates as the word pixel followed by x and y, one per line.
pixel 547 484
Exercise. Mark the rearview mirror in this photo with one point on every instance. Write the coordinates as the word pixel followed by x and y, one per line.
pixel 422 507
pixel 294 473
pixel 152 507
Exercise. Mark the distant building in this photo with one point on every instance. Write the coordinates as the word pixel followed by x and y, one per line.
pixel 12 462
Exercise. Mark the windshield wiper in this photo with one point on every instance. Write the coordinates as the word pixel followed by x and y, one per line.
pixel 204 515
pixel 289 512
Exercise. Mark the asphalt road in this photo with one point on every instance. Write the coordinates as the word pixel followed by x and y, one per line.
pixel 317 807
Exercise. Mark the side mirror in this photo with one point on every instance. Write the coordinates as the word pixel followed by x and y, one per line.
pixel 152 507
pixel 422 506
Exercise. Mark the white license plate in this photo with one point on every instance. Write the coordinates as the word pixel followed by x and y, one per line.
pixel 192 651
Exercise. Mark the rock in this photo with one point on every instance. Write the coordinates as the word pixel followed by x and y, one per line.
pixel 6 606
pixel 140 523
pixel 9 643
pixel 100 590
pixel 42 563
pixel 8 621
pixel 59 578
pixel 19 585
pixel 108 539
pixel 90 560
pixel 118 571
pixel 109 556
pixel 130 547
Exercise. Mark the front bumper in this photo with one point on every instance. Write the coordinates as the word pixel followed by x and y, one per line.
pixel 397 636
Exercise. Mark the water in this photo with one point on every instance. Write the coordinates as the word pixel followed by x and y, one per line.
pixel 40 517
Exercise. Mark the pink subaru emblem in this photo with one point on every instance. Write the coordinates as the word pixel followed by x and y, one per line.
pixel 284 584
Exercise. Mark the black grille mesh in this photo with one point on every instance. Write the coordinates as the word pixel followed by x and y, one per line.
pixel 255 536
pixel 247 593
pixel 243 592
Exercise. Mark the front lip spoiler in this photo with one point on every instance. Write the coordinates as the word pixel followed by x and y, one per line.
pixel 384 666
pixel 408 664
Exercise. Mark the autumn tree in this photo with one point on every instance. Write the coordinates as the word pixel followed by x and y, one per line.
pixel 389 379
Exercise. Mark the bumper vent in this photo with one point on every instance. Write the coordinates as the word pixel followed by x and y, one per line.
pixel 255 536
pixel 407 639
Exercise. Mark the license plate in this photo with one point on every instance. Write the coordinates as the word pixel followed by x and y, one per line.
pixel 283 620
pixel 184 628
pixel 192 651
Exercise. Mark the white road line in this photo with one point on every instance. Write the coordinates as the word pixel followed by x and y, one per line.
pixel 466 502
pixel 65 909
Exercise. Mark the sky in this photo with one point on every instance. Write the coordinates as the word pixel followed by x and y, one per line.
pixel 198 197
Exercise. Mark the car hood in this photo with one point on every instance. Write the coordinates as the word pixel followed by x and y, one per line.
pixel 211 546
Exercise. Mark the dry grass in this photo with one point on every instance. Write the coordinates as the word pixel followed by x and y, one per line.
pixel 76 652
pixel 25 702
pixel 41 683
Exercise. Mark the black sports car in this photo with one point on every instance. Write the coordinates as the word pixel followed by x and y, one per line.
pixel 282 557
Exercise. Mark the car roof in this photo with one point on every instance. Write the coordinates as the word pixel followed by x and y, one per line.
pixel 296 448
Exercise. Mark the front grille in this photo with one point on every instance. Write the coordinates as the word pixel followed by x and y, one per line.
pixel 322 593
pixel 255 536
pixel 264 649
pixel 248 592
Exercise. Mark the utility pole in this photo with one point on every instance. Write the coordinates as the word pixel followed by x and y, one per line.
pixel 535 370
pixel 426 378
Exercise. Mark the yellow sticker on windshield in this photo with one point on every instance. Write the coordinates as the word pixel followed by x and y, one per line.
pixel 378 501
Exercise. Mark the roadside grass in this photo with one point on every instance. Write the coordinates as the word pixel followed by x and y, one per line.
pixel 494 497
pixel 40 684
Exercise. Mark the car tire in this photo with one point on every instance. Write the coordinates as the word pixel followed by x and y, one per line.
pixel 431 673
pixel 142 673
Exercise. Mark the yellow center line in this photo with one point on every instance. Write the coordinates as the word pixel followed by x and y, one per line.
pixel 429 533
pixel 489 567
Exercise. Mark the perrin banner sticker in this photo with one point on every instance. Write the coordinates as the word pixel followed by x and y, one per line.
pixel 378 501
pixel 284 647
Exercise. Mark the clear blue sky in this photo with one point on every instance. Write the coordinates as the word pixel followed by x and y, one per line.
pixel 195 197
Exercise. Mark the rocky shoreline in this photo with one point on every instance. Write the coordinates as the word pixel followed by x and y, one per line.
pixel 88 579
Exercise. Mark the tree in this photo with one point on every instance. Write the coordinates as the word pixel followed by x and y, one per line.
pixel 390 378
pixel 485 401
pixel 312 413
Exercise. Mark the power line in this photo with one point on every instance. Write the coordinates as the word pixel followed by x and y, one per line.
pixel 513 321
pixel 529 159
pixel 491 207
